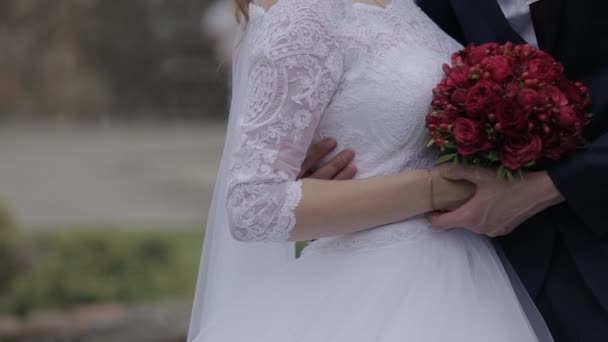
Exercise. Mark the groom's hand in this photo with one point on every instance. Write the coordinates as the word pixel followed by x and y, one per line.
pixel 340 167
pixel 497 207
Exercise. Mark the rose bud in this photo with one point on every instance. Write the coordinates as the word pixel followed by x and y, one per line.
pixel 546 129
pixel 542 117
pixel 498 127
pixel 492 117
pixel 444 127
pixel 439 142
pixel 529 83
pixel 457 59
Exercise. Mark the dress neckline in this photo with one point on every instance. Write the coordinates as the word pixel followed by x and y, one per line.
pixel 260 10
pixel 366 5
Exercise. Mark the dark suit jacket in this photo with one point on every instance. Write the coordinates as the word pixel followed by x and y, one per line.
pixel 576 34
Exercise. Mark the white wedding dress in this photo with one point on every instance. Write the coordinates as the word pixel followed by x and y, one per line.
pixel 363 75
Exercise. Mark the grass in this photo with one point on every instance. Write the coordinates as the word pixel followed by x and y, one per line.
pixel 61 269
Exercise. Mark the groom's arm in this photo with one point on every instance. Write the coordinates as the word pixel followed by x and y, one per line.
pixel 583 181
pixel 443 15
pixel 583 178
pixel 340 167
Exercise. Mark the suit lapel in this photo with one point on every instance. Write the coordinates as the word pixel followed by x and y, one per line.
pixel 552 12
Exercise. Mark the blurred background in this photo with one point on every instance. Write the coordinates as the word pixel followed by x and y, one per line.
pixel 112 119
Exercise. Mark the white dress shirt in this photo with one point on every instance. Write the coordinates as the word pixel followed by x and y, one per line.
pixel 519 15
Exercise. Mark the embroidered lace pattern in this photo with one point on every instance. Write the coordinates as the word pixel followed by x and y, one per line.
pixel 331 68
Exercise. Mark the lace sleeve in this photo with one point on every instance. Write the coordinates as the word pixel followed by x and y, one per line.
pixel 295 69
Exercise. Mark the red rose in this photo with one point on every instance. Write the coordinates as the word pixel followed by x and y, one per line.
pixel 499 67
pixel 475 54
pixel 520 150
pixel 458 76
pixel 528 98
pixel 459 96
pixel 561 145
pixel 542 69
pixel 512 118
pixel 470 136
pixel 554 95
pixel 566 117
pixel 482 97
pixel 448 116
pixel 572 92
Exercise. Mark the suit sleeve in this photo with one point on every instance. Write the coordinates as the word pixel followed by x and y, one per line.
pixel 583 178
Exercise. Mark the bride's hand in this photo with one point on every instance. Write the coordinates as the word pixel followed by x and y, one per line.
pixel 449 194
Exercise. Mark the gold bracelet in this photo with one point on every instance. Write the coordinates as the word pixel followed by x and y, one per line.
pixel 431 192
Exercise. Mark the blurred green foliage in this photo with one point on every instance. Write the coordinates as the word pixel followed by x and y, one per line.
pixel 61 269
pixel 7 260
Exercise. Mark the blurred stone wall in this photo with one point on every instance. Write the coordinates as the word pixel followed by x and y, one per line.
pixel 107 60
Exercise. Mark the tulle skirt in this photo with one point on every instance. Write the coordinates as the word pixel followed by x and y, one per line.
pixel 440 286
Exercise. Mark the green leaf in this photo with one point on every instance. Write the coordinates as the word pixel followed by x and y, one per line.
pixel 501 173
pixel 493 156
pixel 530 164
pixel 510 175
pixel 455 162
pixel 430 143
pixel 446 158
pixel 450 144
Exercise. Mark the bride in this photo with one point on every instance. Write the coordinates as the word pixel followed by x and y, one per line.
pixel 363 73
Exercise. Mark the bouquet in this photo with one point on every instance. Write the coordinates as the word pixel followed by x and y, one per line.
pixel 506 106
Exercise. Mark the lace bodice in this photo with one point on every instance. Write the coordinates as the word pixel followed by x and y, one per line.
pixel 330 68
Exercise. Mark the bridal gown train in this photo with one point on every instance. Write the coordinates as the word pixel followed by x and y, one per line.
pixel 363 75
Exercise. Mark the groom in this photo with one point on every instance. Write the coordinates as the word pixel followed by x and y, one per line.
pixel 553 225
